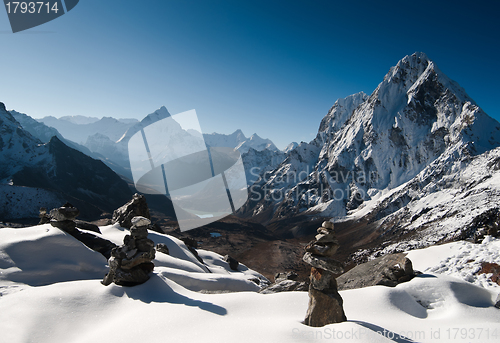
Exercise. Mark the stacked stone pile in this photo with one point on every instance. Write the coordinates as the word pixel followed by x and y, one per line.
pixel 131 263
pixel 325 302
pixel 64 217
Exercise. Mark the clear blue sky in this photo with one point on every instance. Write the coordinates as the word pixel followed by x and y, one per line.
pixel 271 67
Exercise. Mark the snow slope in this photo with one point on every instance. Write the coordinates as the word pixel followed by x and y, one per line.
pixel 50 291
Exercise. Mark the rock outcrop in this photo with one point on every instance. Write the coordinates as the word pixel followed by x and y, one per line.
pixel 232 262
pixel 285 282
pixel 64 218
pixel 135 207
pixel 389 270
pixel 162 247
pixel 131 263
pixel 325 303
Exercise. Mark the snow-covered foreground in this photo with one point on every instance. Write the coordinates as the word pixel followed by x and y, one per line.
pixel 51 292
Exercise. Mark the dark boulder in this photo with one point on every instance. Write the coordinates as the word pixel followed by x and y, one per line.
pixel 389 270
pixel 233 263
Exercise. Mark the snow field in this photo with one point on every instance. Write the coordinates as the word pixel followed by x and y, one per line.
pixel 50 291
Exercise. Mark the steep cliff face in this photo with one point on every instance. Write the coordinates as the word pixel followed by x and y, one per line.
pixel 368 146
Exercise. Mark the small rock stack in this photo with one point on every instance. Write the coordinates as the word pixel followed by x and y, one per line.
pixel 130 263
pixel 325 302
pixel 64 217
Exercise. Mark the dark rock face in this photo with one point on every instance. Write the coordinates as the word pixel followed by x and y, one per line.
pixel 325 303
pixel 130 263
pixel 497 303
pixel 89 183
pixel 134 208
pixel 389 270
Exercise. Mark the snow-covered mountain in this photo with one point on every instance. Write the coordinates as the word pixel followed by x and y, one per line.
pixel 290 147
pixel 79 120
pixel 118 151
pixel 78 129
pixel 34 174
pixel 37 129
pixel 237 140
pixel 257 162
pixel 107 139
pixel 18 148
pixel 417 129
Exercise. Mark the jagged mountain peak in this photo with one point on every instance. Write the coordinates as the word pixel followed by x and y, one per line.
pixel 151 118
pixel 366 146
pixel 340 112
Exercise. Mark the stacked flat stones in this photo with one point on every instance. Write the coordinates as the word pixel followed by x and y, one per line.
pixel 325 302
pixel 131 263
pixel 64 217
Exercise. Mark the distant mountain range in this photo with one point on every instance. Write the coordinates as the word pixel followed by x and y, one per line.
pixel 88 139
pixel 107 138
pixel 414 163
pixel 35 174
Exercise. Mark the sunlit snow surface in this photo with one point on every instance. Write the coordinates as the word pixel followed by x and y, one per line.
pixel 51 292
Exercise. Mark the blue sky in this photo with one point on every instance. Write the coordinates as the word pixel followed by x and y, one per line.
pixel 270 67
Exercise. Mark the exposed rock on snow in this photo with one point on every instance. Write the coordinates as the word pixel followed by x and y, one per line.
pixel 325 303
pixel 284 285
pixel 389 270
pixel 138 206
pixel 232 262
pixel 285 282
pixel 64 217
pixel 163 248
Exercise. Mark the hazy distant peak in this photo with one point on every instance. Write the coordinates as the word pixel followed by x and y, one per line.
pixel 79 119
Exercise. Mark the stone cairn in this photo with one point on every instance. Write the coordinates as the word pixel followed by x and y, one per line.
pixel 63 217
pixel 325 302
pixel 130 263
